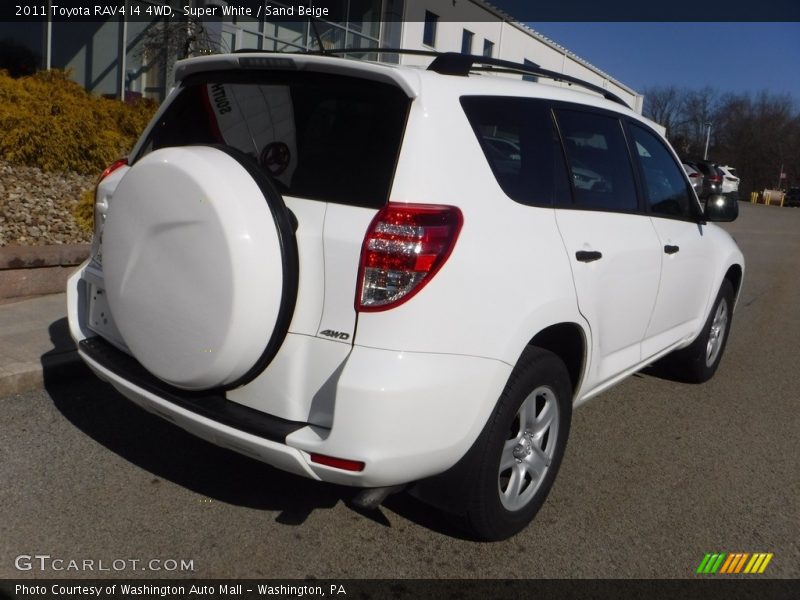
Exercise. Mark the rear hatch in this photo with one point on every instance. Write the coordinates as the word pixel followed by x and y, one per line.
pixel 328 141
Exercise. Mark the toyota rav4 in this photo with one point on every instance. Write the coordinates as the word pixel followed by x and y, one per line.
pixel 391 277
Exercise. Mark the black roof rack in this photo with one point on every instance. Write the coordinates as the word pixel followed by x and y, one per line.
pixel 454 63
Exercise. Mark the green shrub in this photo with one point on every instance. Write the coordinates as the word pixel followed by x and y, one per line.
pixel 51 122
pixel 83 211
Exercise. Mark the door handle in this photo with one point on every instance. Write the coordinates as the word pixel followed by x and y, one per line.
pixel 671 249
pixel 588 256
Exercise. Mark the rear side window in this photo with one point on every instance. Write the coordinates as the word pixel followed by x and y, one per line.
pixel 666 188
pixel 322 137
pixel 521 145
pixel 599 162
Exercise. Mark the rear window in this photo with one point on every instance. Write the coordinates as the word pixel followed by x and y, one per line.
pixel 706 169
pixel 318 136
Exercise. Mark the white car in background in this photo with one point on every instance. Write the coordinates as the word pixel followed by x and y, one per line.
pixel 696 177
pixel 327 265
pixel 730 182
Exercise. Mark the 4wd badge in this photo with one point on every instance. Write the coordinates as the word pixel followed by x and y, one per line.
pixel 337 335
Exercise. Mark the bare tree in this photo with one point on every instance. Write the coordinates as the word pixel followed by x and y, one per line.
pixel 755 134
pixel 664 105
pixel 699 111
pixel 168 40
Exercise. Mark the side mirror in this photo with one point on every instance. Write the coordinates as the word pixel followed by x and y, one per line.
pixel 721 208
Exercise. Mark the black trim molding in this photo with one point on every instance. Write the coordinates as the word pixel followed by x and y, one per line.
pixel 211 404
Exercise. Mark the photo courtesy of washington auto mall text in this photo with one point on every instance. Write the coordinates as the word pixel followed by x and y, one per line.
pixel 171 589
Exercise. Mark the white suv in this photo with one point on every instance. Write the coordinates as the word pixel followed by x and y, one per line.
pixel 730 182
pixel 390 277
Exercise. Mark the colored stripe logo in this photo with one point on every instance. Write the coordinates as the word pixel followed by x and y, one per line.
pixel 734 563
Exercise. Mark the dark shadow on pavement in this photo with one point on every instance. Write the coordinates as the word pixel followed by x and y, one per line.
pixel 417 511
pixel 662 369
pixel 61 362
pixel 172 454
pixel 169 452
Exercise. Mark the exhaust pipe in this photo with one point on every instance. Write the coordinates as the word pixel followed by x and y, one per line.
pixel 372 498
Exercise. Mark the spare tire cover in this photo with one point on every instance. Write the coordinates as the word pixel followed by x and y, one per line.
pixel 195 262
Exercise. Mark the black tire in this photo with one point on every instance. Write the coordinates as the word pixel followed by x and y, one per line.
pixel 491 514
pixel 697 363
pixel 286 225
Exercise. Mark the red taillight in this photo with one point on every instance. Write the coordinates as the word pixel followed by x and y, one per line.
pixel 113 167
pixel 715 178
pixel 108 171
pixel 338 463
pixel 405 245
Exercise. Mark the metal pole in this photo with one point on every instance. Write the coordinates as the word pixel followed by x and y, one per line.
pixel 123 52
pixel 49 39
pixel 708 137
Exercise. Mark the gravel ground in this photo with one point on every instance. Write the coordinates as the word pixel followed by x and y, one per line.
pixel 35 207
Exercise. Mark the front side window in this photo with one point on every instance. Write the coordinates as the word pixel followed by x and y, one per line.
pixel 664 183
pixel 521 145
pixel 429 31
pixel 599 163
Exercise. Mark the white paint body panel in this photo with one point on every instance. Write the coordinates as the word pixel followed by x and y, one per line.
pixel 686 284
pixel 508 265
pixel 616 293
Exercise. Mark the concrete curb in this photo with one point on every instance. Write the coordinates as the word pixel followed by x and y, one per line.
pixel 53 369
pixel 38 270
pixel 35 257
pixel 36 349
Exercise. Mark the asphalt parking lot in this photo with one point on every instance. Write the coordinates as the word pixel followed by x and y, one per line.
pixel 656 475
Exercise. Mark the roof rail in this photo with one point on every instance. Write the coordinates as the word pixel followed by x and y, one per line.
pixel 376 51
pixel 454 63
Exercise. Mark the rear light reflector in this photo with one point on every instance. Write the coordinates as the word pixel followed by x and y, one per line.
pixel 338 463
pixel 405 245
pixel 122 162
pixel 113 167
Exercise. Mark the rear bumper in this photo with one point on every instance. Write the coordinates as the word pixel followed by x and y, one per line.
pixel 214 431
pixel 406 416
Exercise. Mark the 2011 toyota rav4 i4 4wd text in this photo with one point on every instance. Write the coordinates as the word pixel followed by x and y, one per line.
pixel 382 276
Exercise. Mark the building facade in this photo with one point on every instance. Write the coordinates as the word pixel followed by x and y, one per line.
pixel 133 56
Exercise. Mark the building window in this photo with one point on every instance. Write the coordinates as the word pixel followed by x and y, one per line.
pixel 429 33
pixel 529 63
pixel 466 42
pixel 488 48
